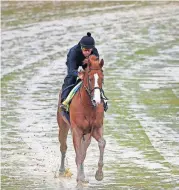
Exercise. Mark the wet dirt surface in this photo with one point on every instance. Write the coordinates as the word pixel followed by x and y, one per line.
pixel 140 46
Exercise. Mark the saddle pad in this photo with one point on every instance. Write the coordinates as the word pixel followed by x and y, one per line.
pixel 73 91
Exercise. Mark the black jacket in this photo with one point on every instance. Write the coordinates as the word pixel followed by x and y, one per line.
pixel 75 59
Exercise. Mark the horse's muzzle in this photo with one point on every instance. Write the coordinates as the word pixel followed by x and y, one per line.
pixel 94 103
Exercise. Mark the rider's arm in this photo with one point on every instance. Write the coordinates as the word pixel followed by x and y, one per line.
pixel 72 63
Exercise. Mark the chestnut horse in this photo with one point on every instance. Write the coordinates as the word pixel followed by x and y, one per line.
pixel 86 118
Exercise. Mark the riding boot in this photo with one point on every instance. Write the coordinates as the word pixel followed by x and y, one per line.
pixel 69 82
pixel 64 95
pixel 66 102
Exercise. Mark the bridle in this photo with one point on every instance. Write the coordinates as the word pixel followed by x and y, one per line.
pixel 90 90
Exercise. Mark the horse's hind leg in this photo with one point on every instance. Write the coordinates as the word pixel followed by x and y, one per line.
pixel 97 134
pixel 62 137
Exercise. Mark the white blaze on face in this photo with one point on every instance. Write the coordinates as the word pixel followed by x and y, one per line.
pixel 97 95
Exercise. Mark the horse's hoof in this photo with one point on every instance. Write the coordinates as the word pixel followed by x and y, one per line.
pixel 79 185
pixel 99 175
pixel 61 170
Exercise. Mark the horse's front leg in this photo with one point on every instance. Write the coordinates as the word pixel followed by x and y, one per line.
pixel 85 142
pixel 98 135
pixel 77 137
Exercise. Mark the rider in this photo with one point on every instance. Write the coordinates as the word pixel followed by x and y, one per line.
pixel 77 56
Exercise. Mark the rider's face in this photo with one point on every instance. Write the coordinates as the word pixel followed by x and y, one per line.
pixel 86 52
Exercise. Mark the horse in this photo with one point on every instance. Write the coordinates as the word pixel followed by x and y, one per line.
pixel 86 118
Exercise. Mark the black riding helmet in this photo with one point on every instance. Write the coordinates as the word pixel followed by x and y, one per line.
pixel 87 41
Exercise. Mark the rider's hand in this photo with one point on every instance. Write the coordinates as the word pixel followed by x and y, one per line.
pixel 81 75
pixel 85 61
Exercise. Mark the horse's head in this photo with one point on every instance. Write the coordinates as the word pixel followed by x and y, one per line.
pixel 93 79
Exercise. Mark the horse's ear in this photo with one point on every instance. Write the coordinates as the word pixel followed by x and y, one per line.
pixel 101 63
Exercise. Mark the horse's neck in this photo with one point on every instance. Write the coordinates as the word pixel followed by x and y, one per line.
pixel 85 98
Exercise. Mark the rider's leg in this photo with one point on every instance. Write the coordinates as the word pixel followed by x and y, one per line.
pixel 69 82
pixel 70 95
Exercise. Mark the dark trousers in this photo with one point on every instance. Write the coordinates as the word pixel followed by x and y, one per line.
pixel 67 86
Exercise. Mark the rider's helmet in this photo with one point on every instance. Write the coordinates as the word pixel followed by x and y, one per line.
pixel 87 41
